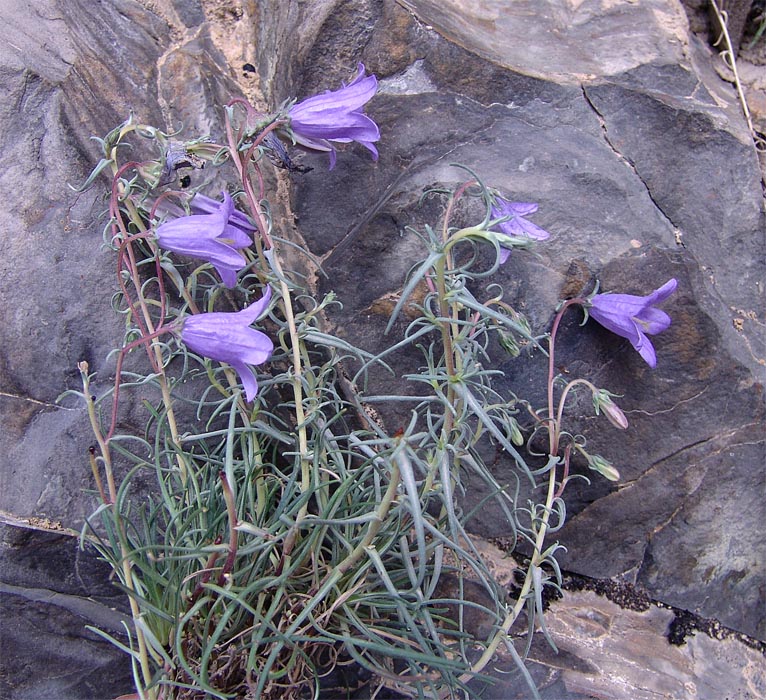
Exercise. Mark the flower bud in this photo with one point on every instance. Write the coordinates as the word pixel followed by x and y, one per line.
pixel 509 344
pixel 602 401
pixel 599 464
pixel 516 437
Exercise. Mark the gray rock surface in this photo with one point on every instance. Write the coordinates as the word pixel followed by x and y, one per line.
pixel 606 651
pixel 611 118
pixel 50 590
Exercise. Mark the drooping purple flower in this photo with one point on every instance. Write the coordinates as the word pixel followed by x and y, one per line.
pixel 517 226
pixel 227 337
pixel 632 317
pixel 337 116
pixel 215 235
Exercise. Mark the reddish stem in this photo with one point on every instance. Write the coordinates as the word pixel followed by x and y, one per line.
pixel 206 574
pixel 241 165
pixel 126 246
pixel 453 200
pixel 565 475
pixel 118 373
pixel 553 430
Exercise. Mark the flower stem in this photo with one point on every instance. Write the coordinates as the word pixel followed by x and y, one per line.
pixel 241 165
pixel 553 426
pixel 148 330
pixel 536 560
pixel 554 432
pixel 127 573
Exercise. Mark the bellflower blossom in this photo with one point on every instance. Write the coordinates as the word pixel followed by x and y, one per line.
pixel 337 116
pixel 215 234
pixel 227 337
pixel 517 226
pixel 632 317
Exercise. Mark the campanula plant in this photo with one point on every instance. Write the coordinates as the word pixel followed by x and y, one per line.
pixel 290 531
pixel 465 322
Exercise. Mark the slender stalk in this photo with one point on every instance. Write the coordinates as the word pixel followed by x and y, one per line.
pixel 118 375
pixel 537 559
pixel 125 563
pixel 118 191
pixel 565 393
pixel 96 474
pixel 554 432
pixel 730 59
pixel 295 341
pixel 553 426
pixel 231 512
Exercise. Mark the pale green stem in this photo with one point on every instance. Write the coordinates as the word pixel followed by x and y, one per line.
pixel 536 560
pixel 295 341
pixel 565 393
pixel 554 431
pixel 127 573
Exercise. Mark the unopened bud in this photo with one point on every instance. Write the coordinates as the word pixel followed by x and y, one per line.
pixel 599 464
pixel 516 437
pixel 509 344
pixel 602 401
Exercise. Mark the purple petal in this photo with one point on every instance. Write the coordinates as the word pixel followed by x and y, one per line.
pixel 255 310
pixel 338 126
pixel 371 148
pixel 214 337
pixel 517 225
pixel 360 70
pixel 521 208
pixel 228 275
pixel 663 292
pixel 350 98
pixel 247 377
pixel 227 336
pixel 531 230
pixel 235 236
pixel 653 320
pixel 213 236
pixel 200 204
pixel 618 323
pixel 511 228
pixel 632 317
pixel 337 116
pixel 187 227
pixel 618 305
pixel 646 350
pixel 213 252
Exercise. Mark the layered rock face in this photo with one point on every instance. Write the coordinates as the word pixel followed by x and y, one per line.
pixel 608 115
